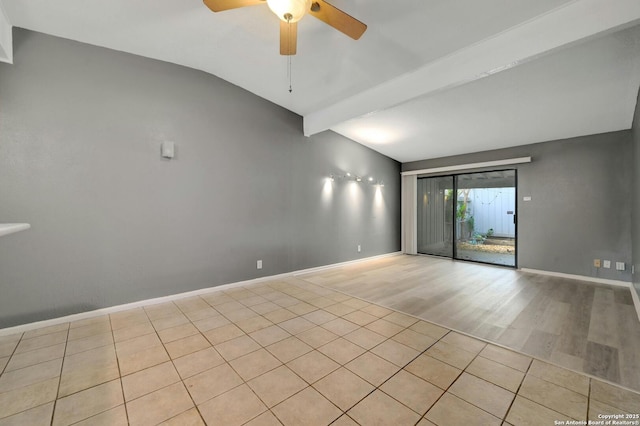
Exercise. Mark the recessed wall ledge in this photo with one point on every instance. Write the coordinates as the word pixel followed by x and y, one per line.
pixel 10 228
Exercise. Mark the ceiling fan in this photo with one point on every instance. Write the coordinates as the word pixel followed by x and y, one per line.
pixel 291 11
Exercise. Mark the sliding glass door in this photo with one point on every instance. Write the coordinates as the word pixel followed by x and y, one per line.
pixel 486 217
pixel 469 217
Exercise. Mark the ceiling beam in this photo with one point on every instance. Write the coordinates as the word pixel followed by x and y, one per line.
pixel 561 27
pixel 6 37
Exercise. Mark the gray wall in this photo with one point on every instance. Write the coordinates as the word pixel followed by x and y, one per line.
pixel 635 130
pixel 581 202
pixel 80 134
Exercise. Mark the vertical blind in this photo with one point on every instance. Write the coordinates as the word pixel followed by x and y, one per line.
pixel 409 239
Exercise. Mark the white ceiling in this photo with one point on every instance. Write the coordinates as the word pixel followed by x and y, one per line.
pixel 414 86
pixel 586 89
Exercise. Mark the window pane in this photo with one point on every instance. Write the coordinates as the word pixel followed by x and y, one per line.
pixel 485 217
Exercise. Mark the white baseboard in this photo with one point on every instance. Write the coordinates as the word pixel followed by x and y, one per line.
pixel 148 302
pixel 347 263
pixel 617 283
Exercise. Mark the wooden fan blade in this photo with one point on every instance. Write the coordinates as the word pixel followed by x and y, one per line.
pixel 338 19
pixel 220 5
pixel 288 38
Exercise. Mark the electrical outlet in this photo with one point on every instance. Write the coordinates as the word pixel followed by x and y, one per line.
pixel 619 266
pixel 596 263
pixel 259 264
pixel 606 264
pixel 359 248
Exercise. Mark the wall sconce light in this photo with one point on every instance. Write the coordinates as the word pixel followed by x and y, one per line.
pixel 353 178
pixel 167 150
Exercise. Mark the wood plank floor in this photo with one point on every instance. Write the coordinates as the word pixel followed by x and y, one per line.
pixel 582 326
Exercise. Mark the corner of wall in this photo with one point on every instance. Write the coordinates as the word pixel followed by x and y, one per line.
pixel 635 211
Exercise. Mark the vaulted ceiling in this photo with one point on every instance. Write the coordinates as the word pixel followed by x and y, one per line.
pixel 429 78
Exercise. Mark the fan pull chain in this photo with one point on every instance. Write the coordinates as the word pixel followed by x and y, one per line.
pixel 289 73
pixel 289 57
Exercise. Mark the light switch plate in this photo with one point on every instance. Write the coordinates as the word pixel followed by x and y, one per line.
pixel 606 263
pixel 619 266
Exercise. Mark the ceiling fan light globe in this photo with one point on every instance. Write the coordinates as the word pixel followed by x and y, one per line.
pixel 295 8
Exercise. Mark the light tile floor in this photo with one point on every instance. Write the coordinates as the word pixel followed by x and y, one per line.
pixel 286 352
